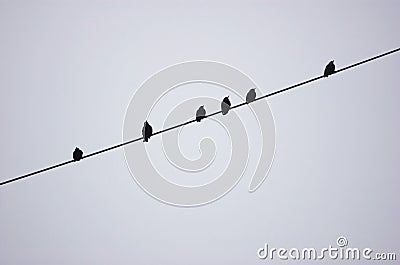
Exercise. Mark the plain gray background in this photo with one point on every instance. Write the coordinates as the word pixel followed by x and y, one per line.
pixel 69 68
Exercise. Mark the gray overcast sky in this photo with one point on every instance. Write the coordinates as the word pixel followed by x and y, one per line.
pixel 69 68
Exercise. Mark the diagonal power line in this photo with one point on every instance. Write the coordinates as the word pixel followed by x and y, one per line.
pixel 207 116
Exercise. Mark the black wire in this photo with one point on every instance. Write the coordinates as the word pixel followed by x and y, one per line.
pixel 37 172
pixel 207 116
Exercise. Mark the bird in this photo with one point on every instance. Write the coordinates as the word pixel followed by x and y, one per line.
pixel 147 131
pixel 329 69
pixel 200 113
pixel 251 95
pixel 77 154
pixel 225 105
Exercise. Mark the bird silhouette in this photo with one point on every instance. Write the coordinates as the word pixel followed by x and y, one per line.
pixel 225 105
pixel 77 154
pixel 251 95
pixel 147 131
pixel 329 68
pixel 200 113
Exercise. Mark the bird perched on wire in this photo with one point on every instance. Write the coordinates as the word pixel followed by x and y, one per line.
pixel 251 95
pixel 77 154
pixel 200 113
pixel 329 68
pixel 225 105
pixel 147 131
